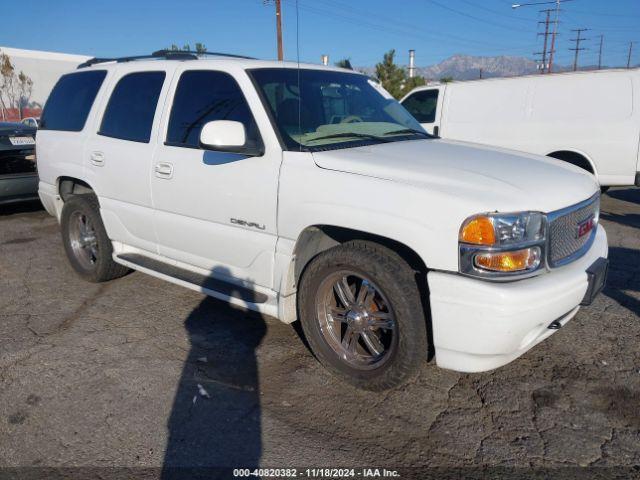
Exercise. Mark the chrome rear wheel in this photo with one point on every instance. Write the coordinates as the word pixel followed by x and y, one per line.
pixel 83 239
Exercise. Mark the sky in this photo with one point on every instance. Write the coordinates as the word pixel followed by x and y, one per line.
pixel 361 30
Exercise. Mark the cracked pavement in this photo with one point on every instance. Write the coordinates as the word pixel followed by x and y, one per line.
pixel 109 375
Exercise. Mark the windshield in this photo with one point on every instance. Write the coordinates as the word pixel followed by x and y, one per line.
pixel 338 109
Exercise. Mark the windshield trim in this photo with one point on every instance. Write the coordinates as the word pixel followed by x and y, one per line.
pixel 356 142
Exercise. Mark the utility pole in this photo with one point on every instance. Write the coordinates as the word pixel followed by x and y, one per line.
pixel 600 52
pixel 557 3
pixel 629 57
pixel 279 27
pixel 546 33
pixel 553 37
pixel 577 50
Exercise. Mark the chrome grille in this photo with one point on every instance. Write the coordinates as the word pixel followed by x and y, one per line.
pixel 565 243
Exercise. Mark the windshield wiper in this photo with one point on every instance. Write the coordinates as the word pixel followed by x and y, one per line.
pixel 351 135
pixel 411 130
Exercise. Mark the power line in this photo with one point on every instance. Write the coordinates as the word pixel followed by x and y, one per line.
pixel 473 17
pixel 495 12
pixel 605 14
pixel 403 29
pixel 577 48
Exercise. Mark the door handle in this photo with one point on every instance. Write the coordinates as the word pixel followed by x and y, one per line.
pixel 97 158
pixel 164 170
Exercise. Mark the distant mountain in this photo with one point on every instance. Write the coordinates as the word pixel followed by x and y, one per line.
pixel 467 67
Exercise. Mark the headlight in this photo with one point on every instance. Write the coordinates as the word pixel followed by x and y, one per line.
pixel 502 244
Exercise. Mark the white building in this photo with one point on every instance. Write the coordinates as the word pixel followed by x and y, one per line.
pixel 44 68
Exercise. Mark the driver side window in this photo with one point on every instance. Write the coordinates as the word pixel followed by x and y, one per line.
pixel 203 96
pixel 422 105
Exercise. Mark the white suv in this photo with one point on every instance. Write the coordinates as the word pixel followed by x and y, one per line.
pixel 307 192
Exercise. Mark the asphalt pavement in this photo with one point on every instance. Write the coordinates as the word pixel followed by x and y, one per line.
pixel 138 372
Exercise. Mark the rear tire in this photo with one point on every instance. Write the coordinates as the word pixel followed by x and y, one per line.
pixel 85 240
pixel 362 315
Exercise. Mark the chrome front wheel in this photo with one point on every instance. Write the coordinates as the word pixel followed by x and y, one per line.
pixel 362 314
pixel 356 319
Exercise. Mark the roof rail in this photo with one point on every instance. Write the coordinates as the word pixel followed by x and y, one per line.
pixel 165 54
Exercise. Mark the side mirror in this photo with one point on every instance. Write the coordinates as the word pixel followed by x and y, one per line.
pixel 223 135
pixel 229 136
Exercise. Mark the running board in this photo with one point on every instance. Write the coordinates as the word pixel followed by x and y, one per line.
pixel 227 289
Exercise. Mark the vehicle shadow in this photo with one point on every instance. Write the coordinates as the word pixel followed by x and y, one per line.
pixel 624 275
pixel 215 421
pixel 628 219
pixel 27 206
pixel 631 195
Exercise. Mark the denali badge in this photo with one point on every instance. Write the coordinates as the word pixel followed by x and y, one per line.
pixel 585 227
pixel 244 223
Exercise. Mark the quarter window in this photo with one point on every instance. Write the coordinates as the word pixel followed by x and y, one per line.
pixel 203 96
pixel 70 101
pixel 132 106
pixel 422 105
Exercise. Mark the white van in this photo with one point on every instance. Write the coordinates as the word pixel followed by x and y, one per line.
pixel 589 119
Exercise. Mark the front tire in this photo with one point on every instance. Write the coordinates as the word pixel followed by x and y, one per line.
pixel 85 240
pixel 362 315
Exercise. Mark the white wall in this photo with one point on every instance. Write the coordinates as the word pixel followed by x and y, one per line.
pixel 44 68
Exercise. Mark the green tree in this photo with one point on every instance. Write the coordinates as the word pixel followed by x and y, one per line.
pixel 344 63
pixel 200 48
pixel 412 83
pixel 394 78
pixel 391 76
pixel 446 80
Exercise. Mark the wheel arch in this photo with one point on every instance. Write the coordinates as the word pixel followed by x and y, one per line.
pixel 315 239
pixel 575 157
pixel 68 186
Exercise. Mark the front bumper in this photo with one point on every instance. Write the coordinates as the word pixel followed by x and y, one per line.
pixel 480 325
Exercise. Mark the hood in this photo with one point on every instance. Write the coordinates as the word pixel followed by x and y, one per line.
pixel 16 128
pixel 487 178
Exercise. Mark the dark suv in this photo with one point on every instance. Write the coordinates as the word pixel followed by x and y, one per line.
pixel 18 176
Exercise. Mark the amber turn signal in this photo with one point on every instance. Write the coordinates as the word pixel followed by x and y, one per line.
pixel 519 260
pixel 479 231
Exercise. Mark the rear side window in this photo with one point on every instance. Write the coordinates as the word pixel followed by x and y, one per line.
pixel 70 101
pixel 132 106
pixel 422 105
pixel 203 96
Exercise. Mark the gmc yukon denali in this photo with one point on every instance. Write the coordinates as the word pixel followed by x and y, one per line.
pixel 307 192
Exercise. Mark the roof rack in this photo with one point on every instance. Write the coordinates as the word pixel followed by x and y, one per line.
pixel 162 54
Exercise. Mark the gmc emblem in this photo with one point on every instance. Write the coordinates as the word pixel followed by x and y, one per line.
pixel 585 227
